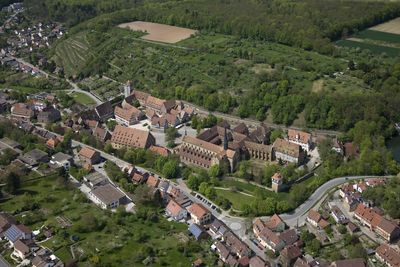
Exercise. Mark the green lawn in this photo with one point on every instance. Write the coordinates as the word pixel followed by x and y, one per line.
pixel 379 36
pixel 83 99
pixel 116 239
pixel 390 51
pixel 235 198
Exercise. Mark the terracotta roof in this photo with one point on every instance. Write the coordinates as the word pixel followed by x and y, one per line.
pixel 132 137
pixel 160 150
pixel 352 227
pixel 299 136
pixel 277 176
pixel 127 114
pixel 101 134
pixel 314 215
pixel 257 262
pixel 152 181
pixel 173 208
pixel 203 144
pixel 198 210
pixel 274 222
pixel 24 229
pixel 141 96
pixel 286 147
pixel 323 223
pixel 389 255
pixel 301 263
pixel 154 102
pixel 349 263
pixel 87 152
pixel 22 109
pixel 350 150
pixel 387 226
pixel 268 236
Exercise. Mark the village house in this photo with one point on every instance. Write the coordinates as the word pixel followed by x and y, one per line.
pixel 62 160
pixel 258 262
pixel 388 255
pixel 128 116
pixel 204 154
pixel 95 179
pixel 52 143
pixel 101 134
pixel 104 111
pixel 349 263
pixel 175 211
pixel 139 178
pixel 16 232
pixel 199 213
pixel 6 220
pixel 288 152
pixel 24 248
pixel 34 157
pixel 152 181
pixel 7 143
pixel 160 150
pixel 165 121
pixel 316 220
pixel 338 215
pixel 48 115
pixel 270 240
pixel 107 196
pixel 197 231
pixel 89 156
pixel 128 137
pixel 300 262
pixel 382 226
pixel 289 255
pixel 218 228
pixel 22 112
pixel 300 138
pixel 235 245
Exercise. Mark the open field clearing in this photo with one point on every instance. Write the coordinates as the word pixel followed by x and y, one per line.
pixel 379 36
pixel 160 32
pixel 390 51
pixel 83 99
pixel 392 26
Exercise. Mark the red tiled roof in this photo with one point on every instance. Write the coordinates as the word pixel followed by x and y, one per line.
pixel 87 152
pixel 173 208
pixel 198 210
pixel 299 136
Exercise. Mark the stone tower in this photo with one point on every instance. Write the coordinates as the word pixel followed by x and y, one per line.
pixel 277 182
pixel 127 88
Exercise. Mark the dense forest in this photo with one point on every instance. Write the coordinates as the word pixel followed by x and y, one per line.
pixel 309 24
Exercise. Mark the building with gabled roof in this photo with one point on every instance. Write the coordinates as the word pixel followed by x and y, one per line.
pixel 16 232
pixel 270 240
pixel 89 155
pixel 349 263
pixel 175 211
pixel 128 137
pixel 104 111
pixel 199 213
pixel 107 196
pixel 388 255
pixel 101 134
pixel 288 152
pixel 128 116
pixel 300 138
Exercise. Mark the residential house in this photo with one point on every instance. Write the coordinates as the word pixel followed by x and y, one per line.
pixel 388 255
pixel 288 152
pixel 351 150
pixel 95 179
pixel 270 240
pixel 128 116
pixel 34 157
pixel 139 178
pixel 62 160
pixel 218 228
pixel 175 211
pixel 199 213
pixel 300 138
pixel 388 230
pixel 261 135
pixel 316 220
pixel 289 255
pixel 258 262
pixel 107 196
pixel 338 215
pixel 301 263
pixel 239 248
pixel 128 137
pixel 352 228
pixel 52 142
pixel 101 134
pixel 104 111
pixel 48 115
pixel 152 181
pixel 165 121
pixel 349 263
pixel 6 221
pixel 23 248
pixel 89 156
pixel 22 112
pixel 222 251
pixel 16 232
pixel 276 223
pixel 197 231
pixel 289 237
pixel 337 146
pixel 160 150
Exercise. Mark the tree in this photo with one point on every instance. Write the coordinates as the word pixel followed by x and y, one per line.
pixel 313 247
pixel 214 171
pixel 143 195
pixel 170 134
pixel 170 169
pixel 111 124
pixel 13 182
pixel 357 251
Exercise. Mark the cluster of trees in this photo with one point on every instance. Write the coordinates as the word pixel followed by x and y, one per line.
pixel 386 197
pixel 206 122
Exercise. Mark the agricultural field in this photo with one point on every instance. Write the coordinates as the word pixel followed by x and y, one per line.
pixel 95 237
pixel 383 38
pixel 159 32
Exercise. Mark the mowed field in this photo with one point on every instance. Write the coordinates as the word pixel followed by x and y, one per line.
pixel 159 32
pixel 392 26
pixel 382 38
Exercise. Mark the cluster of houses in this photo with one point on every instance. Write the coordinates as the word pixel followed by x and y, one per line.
pixel 25 249
pixel 366 215
pixel 222 144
